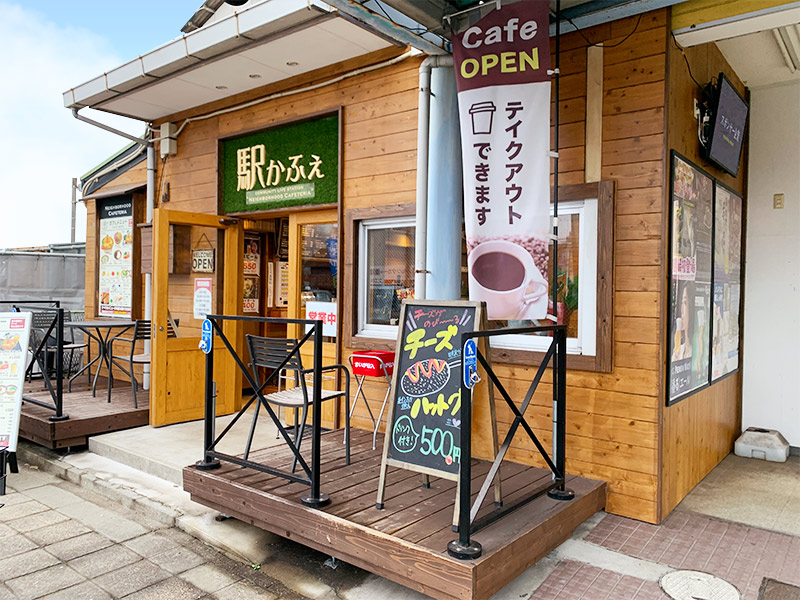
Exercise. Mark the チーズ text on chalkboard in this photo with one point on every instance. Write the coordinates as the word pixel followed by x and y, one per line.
pixel 424 422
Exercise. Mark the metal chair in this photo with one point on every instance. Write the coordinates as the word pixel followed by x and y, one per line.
pixel 43 324
pixel 142 330
pixel 272 353
pixel 78 316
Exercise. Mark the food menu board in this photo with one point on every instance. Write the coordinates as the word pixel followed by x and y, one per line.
pixel 727 282
pixel 251 267
pixel 115 281
pixel 14 331
pixel 425 416
pixel 690 278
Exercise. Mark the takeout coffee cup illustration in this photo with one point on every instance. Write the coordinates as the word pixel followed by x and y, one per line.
pixel 504 275
pixel 482 114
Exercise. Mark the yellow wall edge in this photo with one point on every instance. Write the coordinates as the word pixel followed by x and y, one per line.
pixel 699 12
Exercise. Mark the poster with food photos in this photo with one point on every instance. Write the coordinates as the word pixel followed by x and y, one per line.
pixel 14 331
pixel 115 277
pixel 251 268
pixel 727 282
pixel 691 227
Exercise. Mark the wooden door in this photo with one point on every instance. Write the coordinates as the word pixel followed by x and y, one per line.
pixel 177 364
pixel 314 278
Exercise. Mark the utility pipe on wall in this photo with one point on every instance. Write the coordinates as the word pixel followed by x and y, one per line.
pixel 423 136
pixel 150 203
pixel 148 278
pixel 445 190
pixel 74 206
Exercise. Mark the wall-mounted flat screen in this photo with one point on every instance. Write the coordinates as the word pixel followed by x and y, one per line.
pixel 727 133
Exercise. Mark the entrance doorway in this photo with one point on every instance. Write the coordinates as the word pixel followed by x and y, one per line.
pixel 177 364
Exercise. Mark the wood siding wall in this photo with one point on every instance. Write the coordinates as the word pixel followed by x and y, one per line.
pixel 612 418
pixel 699 431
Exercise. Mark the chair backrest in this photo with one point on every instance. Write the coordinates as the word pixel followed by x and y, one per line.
pixel 172 326
pixel 42 319
pixel 271 352
pixel 142 330
pixel 77 315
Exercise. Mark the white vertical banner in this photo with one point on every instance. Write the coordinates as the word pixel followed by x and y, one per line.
pixel 15 329
pixel 501 67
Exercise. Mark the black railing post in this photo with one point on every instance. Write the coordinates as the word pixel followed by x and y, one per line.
pixel 208 461
pixel 316 498
pixel 562 492
pixel 463 548
pixel 59 358
pixel 3 459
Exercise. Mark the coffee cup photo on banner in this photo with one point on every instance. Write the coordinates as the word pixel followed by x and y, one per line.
pixel 502 64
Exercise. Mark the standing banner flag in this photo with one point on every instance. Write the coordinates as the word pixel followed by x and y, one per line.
pixel 15 329
pixel 503 84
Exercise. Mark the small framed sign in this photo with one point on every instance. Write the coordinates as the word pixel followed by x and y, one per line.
pixel 203 260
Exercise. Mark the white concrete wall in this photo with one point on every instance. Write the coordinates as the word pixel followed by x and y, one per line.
pixel 771 366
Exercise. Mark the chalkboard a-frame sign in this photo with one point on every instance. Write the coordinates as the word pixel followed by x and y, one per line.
pixel 424 423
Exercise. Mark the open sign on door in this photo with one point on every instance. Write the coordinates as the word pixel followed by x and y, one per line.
pixel 203 261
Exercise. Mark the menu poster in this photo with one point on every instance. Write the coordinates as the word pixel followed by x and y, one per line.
pixel 282 285
pixel 727 282
pixel 691 225
pixel 424 430
pixel 270 284
pixel 283 239
pixel 251 267
pixel 14 331
pixel 115 281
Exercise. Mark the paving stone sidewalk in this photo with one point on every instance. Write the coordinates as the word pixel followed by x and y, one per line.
pixel 61 542
pixel 741 554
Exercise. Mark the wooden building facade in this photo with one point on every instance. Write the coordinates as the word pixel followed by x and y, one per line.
pixel 625 104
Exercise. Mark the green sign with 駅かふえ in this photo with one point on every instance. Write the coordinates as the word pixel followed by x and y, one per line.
pixel 289 165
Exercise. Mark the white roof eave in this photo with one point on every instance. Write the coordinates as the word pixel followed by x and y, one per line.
pixel 254 23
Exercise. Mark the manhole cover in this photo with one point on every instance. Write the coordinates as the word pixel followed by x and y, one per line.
pixel 694 585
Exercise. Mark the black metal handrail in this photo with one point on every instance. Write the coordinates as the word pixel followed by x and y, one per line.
pixel 468 523
pixel 56 327
pixel 211 456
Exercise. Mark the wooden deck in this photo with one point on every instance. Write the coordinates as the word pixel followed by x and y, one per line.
pixel 406 542
pixel 87 415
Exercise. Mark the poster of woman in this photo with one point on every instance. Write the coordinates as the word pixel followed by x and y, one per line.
pixel 690 278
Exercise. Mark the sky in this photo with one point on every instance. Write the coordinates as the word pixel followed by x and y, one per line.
pixel 46 48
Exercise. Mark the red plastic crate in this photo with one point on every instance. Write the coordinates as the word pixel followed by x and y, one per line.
pixel 368 363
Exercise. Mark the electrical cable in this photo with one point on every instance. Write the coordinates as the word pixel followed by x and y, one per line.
pixel 112 167
pixel 414 30
pixel 686 59
pixel 160 183
pixel 619 43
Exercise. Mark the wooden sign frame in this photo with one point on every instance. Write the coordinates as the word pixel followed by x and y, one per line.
pixel 481 322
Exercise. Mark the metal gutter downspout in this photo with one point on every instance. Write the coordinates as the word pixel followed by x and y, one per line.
pixel 423 136
pixel 133 138
pixel 150 197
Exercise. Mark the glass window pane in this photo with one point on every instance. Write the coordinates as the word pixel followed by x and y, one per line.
pixel 320 250
pixel 390 273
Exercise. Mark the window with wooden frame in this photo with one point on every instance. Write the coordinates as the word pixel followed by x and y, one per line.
pixel 584 280
pixel 380 273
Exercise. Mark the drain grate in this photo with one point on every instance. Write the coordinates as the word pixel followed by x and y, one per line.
pixel 695 585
